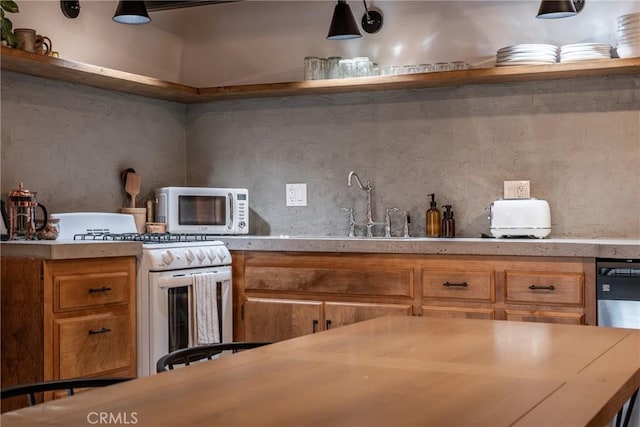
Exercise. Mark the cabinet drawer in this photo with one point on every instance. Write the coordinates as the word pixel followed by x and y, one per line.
pixel 375 282
pixel 545 317
pixel 92 344
pixel 79 291
pixel 544 288
pixel 467 285
pixel 458 312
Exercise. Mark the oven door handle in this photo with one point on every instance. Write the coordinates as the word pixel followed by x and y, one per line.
pixel 180 281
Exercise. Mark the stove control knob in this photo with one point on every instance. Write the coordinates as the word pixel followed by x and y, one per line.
pixel 211 255
pixel 200 254
pixel 167 257
pixel 189 256
pixel 221 254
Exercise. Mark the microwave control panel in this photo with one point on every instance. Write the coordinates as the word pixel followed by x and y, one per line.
pixel 243 210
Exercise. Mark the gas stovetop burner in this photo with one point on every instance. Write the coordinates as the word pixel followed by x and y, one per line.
pixel 147 237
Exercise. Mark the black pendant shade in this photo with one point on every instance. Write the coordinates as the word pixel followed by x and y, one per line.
pixel 552 9
pixel 131 12
pixel 343 25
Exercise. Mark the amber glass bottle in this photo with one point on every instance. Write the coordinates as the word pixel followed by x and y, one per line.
pixel 433 218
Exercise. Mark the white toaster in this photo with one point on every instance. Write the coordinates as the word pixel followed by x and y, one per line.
pixel 520 218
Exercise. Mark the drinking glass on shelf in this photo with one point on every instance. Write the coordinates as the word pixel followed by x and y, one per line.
pixel 363 66
pixel 346 68
pixel 425 68
pixel 410 69
pixel 333 67
pixel 310 65
pixel 442 66
pixel 322 68
pixel 459 65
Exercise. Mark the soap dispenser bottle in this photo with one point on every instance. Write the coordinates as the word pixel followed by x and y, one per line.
pixel 448 223
pixel 433 218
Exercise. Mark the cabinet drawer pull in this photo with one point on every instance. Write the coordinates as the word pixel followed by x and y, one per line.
pixel 546 288
pixel 315 325
pixel 458 285
pixel 102 289
pixel 101 331
pixel 328 324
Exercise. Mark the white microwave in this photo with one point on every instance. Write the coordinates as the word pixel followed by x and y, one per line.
pixel 203 210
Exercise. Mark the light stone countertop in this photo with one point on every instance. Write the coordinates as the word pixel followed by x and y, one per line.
pixel 590 248
pixel 68 249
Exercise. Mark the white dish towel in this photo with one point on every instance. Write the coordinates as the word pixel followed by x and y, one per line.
pixel 205 309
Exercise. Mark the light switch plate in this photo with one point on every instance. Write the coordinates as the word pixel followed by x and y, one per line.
pixel 296 194
pixel 516 190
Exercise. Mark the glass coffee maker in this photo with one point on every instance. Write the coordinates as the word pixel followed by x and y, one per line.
pixel 22 214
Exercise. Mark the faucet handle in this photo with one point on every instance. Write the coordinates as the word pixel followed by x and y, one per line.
pixel 407 220
pixel 387 221
pixel 352 221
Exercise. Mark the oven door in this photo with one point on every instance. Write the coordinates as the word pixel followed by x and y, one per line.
pixel 169 309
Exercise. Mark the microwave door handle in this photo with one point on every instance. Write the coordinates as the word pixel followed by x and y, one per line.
pixel 231 209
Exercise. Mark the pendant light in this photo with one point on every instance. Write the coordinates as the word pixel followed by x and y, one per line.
pixel 343 25
pixel 552 9
pixel 131 12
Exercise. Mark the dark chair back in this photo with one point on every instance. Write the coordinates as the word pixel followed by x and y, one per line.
pixel 185 356
pixel 69 385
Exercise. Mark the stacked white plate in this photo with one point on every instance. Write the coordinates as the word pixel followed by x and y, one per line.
pixel 628 35
pixel 584 52
pixel 527 54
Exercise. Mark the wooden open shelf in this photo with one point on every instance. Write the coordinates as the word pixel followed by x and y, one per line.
pixel 75 72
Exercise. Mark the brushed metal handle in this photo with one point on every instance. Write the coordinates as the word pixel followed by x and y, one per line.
pixel 546 288
pixel 459 285
pixel 102 289
pixel 101 331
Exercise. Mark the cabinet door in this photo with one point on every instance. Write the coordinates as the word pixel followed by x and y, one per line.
pixel 279 319
pixel 344 313
pixel 91 345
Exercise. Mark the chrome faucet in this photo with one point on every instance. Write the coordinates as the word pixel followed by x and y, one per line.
pixel 370 223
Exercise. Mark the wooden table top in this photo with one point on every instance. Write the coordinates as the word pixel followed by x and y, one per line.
pixel 391 371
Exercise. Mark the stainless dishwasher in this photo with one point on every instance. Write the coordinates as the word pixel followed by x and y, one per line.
pixel 618 295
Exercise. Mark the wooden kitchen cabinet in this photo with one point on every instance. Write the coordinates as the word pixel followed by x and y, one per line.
pixel 287 295
pixel 552 290
pixel 66 319
pixel 283 295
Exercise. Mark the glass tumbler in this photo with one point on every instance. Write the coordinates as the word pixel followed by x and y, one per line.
pixel 322 68
pixel 333 67
pixel 346 68
pixel 311 66
pixel 441 66
pixel 459 65
pixel 363 67
pixel 425 68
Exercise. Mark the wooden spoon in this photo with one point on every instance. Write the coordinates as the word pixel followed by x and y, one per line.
pixel 132 186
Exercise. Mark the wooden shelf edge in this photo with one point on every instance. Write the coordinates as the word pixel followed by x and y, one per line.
pixel 476 76
pixel 90 75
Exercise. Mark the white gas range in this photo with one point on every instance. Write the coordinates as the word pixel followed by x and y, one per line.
pixel 165 277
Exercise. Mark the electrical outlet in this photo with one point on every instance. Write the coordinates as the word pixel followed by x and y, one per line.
pixel 296 194
pixel 516 190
